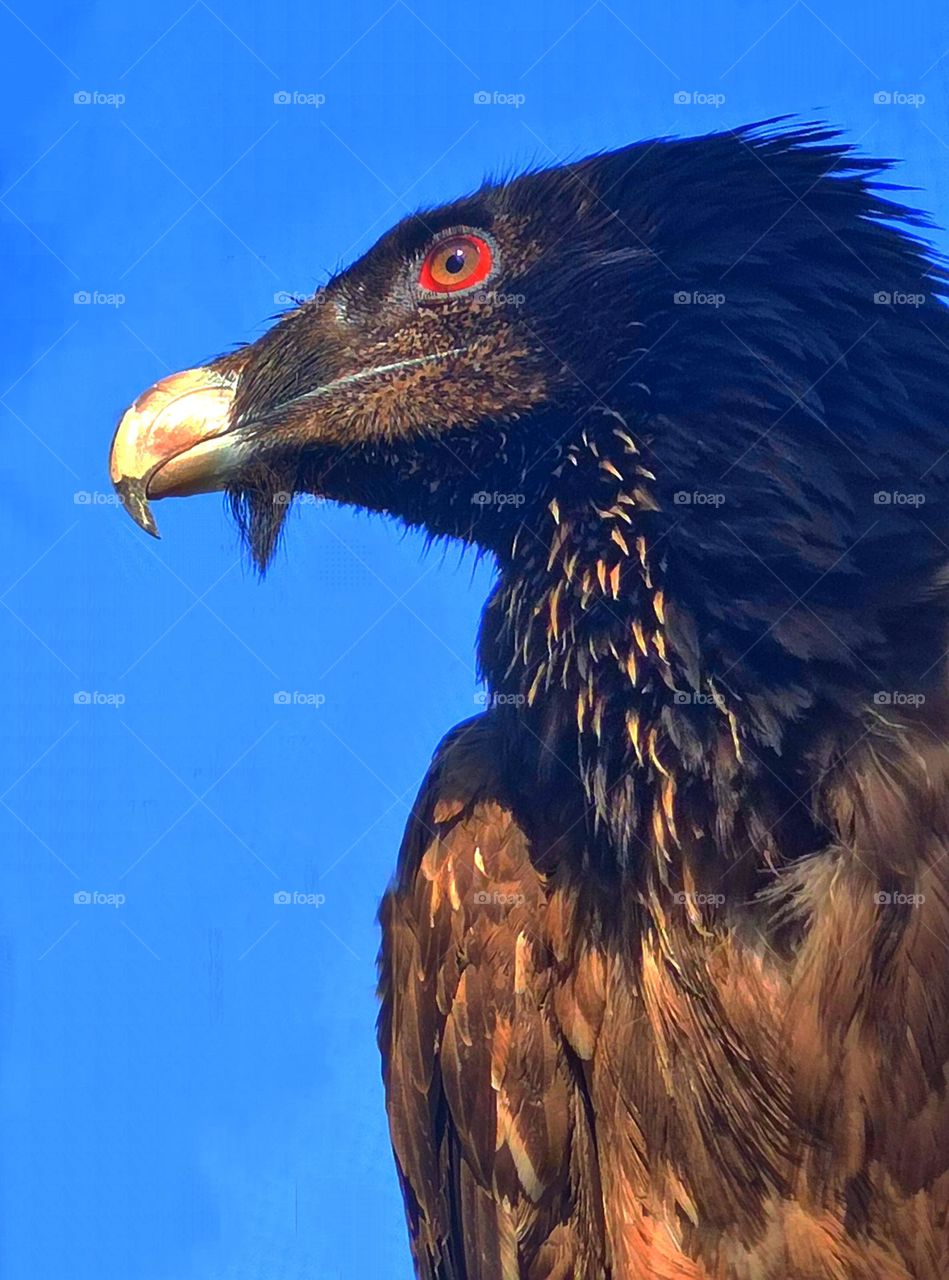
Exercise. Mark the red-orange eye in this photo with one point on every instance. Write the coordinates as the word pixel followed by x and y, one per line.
pixel 457 262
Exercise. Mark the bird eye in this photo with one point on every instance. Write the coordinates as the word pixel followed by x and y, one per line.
pixel 457 262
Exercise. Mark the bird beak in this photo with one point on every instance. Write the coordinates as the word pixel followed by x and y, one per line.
pixel 176 440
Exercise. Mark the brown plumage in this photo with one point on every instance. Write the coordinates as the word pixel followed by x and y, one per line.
pixel 672 1101
pixel 665 963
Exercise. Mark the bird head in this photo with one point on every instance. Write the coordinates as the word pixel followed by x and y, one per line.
pixel 427 380
pixel 697 317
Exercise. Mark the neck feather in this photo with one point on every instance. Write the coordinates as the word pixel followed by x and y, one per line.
pixel 684 759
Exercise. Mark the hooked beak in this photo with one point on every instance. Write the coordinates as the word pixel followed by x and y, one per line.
pixel 180 436
pixel 176 440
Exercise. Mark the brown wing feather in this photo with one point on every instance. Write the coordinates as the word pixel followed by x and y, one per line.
pixel 570 1101
pixel 486 1101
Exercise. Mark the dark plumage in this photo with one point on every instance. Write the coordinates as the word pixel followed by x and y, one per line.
pixel 664 974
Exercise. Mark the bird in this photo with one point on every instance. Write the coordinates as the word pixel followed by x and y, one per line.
pixel 664 969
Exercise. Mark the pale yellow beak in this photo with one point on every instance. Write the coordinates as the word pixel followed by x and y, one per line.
pixel 173 441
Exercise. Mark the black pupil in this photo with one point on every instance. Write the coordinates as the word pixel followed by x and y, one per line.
pixel 455 261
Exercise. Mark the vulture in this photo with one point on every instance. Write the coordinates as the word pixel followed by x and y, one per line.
pixel 664 970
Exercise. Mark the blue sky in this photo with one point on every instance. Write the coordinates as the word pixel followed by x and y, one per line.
pixel 190 1085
